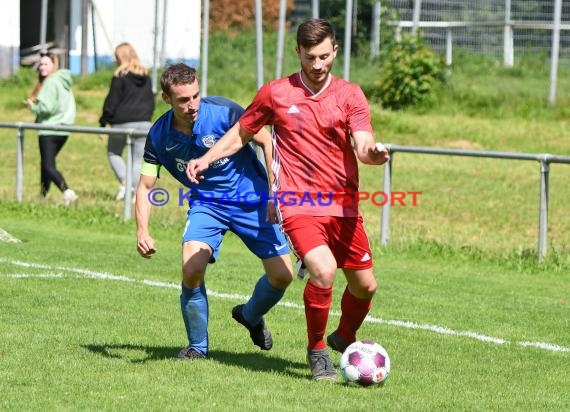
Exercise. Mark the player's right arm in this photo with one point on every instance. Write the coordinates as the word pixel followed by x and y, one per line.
pixel 143 207
pixel 234 139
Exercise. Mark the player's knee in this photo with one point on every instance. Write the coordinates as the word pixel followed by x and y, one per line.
pixel 280 279
pixel 371 289
pixel 192 273
pixel 364 290
pixel 323 276
pixel 279 271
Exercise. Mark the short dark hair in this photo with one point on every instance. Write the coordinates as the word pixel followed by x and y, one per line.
pixel 178 73
pixel 314 31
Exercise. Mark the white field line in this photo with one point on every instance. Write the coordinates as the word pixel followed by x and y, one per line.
pixel 7 237
pixel 58 272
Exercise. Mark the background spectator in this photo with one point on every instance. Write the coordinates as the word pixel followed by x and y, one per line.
pixel 53 103
pixel 129 105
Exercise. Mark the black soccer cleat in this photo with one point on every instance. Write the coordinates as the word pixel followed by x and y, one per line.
pixel 189 353
pixel 259 334
pixel 337 343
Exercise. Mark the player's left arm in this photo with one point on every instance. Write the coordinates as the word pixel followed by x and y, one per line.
pixel 367 150
pixel 359 121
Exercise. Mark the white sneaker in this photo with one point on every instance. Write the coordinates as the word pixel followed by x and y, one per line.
pixel 69 197
pixel 121 193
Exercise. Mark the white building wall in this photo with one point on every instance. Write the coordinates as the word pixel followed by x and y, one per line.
pixel 9 38
pixel 134 21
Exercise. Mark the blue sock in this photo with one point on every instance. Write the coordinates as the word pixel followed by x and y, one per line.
pixel 264 298
pixel 194 307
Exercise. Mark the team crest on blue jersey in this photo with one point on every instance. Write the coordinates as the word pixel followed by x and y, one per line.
pixel 208 140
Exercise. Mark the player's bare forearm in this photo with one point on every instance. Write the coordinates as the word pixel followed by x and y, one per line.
pixel 230 143
pixel 376 155
pixel 271 214
pixel 368 151
pixel 263 139
pixel 145 243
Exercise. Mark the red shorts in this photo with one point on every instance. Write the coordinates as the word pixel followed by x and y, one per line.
pixel 345 237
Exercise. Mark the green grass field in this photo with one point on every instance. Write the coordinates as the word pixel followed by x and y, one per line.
pixel 89 325
pixel 469 317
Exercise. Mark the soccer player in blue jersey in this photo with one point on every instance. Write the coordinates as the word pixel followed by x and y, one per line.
pixel 185 132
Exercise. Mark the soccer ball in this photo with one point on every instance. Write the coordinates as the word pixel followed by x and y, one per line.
pixel 365 363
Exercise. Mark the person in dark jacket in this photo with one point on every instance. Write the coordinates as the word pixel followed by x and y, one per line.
pixel 128 105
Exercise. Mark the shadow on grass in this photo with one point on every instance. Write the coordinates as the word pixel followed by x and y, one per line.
pixel 134 353
pixel 253 361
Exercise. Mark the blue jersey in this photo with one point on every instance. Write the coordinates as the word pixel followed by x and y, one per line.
pixel 228 180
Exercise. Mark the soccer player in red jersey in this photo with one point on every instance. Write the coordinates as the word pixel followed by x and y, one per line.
pixel 321 126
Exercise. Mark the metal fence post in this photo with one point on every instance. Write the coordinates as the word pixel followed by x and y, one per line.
pixel 205 47
pixel 385 221
pixel 448 47
pixel 543 210
pixel 555 51
pixel 508 39
pixel 416 16
pixel 375 32
pixel 20 164
pixel 129 176
pixel 315 9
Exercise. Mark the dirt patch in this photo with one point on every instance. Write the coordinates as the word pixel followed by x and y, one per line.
pixel 232 15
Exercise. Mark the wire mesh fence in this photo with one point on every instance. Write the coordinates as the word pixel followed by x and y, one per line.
pixel 479 26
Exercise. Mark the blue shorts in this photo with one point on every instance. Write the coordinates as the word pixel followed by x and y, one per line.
pixel 209 222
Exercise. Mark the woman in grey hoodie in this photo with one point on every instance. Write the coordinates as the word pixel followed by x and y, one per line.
pixel 53 104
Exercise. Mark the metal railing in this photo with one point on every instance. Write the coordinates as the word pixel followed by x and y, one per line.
pixel 543 159
pixel 129 133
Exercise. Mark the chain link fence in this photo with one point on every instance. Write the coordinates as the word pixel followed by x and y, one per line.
pixel 481 26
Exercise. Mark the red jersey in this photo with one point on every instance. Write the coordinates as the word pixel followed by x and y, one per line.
pixel 315 165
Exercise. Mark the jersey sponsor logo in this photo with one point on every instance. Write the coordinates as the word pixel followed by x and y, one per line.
pixel 180 164
pixel 220 163
pixel 293 109
pixel 365 258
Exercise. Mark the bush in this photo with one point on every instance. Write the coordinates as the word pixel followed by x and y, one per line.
pixel 410 74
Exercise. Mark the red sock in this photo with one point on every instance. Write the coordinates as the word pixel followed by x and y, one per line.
pixel 353 310
pixel 317 305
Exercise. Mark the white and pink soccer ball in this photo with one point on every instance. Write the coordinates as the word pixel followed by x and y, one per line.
pixel 365 363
